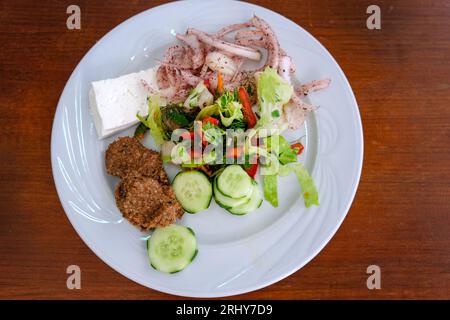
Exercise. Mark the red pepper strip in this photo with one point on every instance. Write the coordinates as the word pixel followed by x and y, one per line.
pixel 198 138
pixel 209 119
pixel 251 171
pixel 298 146
pixel 187 135
pixel 200 134
pixel 207 83
pixel 235 153
pixel 249 115
pixel 195 155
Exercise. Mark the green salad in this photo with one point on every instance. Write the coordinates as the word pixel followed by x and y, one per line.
pixel 228 137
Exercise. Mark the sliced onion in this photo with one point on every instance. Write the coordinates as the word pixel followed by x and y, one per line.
pixel 225 46
pixel 217 61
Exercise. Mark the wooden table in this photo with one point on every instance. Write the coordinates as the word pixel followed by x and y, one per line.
pixel 399 219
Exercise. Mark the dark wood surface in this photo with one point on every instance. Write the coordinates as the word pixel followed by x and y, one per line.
pixel 399 219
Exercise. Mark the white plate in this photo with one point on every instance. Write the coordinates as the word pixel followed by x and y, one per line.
pixel 236 254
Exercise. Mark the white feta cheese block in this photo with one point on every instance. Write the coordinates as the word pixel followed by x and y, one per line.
pixel 114 103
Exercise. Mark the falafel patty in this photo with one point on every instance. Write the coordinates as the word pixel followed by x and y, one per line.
pixel 127 156
pixel 147 203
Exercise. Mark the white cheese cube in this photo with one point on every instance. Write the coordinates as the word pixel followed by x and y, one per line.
pixel 114 103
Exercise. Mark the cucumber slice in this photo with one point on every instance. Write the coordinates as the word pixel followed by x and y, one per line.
pixel 172 248
pixel 193 190
pixel 251 205
pixel 234 182
pixel 227 202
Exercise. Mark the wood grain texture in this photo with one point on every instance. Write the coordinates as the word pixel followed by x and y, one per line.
pixel 399 219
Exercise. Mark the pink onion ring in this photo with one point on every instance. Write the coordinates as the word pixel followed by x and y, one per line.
pixel 231 48
pixel 232 27
pixel 198 57
pixel 312 86
pixel 273 47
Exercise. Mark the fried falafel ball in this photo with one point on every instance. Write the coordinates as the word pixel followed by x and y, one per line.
pixel 127 156
pixel 147 203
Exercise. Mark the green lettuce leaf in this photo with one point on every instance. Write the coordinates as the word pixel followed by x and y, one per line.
pixel 207 111
pixel 280 146
pixel 273 93
pixel 232 111
pixel 309 190
pixel 153 121
pixel 271 164
pixel 140 131
pixel 277 146
pixel 226 98
pixel 271 189
pixel 212 133
pixel 199 97
pixel 229 108
pixel 288 156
